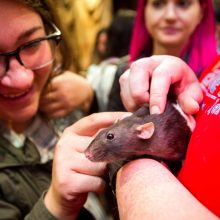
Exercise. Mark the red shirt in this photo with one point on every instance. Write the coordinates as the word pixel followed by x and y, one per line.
pixel 201 169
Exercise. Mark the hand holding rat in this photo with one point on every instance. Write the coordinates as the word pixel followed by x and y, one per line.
pixel 149 80
pixel 73 174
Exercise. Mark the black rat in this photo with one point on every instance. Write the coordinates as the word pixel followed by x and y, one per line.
pixel 164 136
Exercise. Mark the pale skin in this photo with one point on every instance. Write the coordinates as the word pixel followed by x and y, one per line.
pixel 161 196
pixel 163 71
pixel 20 87
pixel 171 24
pixel 154 193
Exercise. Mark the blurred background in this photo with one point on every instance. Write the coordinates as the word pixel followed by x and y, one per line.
pixel 83 19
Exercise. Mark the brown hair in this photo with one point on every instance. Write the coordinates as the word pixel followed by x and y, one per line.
pixel 48 14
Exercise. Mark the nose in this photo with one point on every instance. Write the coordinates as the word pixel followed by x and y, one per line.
pixel 170 11
pixel 17 75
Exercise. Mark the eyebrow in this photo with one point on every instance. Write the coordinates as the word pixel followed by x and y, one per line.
pixel 29 32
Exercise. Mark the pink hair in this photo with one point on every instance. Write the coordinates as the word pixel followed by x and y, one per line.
pixel 202 46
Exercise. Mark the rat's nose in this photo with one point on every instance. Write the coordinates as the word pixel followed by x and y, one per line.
pixel 88 154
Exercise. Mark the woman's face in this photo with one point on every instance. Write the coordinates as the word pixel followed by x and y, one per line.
pixel 171 22
pixel 21 87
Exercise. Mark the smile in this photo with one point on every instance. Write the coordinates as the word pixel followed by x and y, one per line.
pixel 15 95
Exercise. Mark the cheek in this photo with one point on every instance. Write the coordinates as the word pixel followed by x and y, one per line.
pixel 191 21
pixel 41 77
pixel 151 20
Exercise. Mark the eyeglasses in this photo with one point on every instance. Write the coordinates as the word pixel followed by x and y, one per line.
pixel 35 54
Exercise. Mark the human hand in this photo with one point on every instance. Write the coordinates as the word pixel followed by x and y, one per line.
pixel 65 93
pixel 73 174
pixel 149 80
pixel 161 197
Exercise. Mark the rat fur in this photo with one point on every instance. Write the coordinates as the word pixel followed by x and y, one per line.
pixel 164 136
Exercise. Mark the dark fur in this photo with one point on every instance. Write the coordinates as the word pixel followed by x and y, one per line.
pixel 169 141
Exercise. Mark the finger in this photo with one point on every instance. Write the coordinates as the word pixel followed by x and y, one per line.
pixel 83 183
pixel 177 73
pixel 138 79
pixel 80 164
pixel 69 153
pixel 83 165
pixel 125 93
pixel 160 84
pixel 51 107
pixel 89 125
pixel 190 99
pixel 48 97
pixel 140 75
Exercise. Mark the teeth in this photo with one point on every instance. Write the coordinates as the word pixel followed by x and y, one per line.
pixel 14 95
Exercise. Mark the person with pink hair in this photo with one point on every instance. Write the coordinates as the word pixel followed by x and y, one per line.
pixel 194 192
pixel 196 44
pixel 185 29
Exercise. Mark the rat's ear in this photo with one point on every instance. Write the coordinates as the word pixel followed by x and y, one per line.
pixel 145 130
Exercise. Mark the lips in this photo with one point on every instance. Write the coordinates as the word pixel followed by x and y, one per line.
pixel 170 30
pixel 14 95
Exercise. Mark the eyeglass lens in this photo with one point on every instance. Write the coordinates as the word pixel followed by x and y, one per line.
pixel 34 56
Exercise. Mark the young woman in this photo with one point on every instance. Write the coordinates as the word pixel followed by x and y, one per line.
pixel 31 53
pixel 185 29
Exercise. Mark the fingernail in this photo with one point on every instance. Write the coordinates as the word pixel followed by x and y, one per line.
pixel 154 110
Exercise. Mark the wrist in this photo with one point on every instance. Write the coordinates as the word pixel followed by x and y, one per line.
pixel 59 207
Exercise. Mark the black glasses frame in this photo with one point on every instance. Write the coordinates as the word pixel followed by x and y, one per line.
pixel 15 53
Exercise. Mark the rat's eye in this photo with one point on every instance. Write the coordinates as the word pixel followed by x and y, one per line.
pixel 110 136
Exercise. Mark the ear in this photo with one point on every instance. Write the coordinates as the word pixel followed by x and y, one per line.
pixel 145 130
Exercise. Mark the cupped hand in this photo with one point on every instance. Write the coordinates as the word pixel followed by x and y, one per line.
pixel 64 94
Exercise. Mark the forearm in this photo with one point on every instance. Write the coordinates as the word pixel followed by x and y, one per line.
pixel 145 189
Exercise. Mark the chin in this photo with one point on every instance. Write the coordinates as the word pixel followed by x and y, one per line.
pixel 172 40
pixel 24 115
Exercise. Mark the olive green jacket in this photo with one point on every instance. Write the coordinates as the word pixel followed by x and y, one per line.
pixel 23 181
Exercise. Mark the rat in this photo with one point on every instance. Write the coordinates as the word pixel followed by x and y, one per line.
pixel 164 136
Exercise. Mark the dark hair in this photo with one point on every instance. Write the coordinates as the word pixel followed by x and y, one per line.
pixel 97 57
pixel 217 10
pixel 119 34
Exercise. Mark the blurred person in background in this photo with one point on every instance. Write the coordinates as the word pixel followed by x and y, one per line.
pixel 114 41
pixel 185 29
